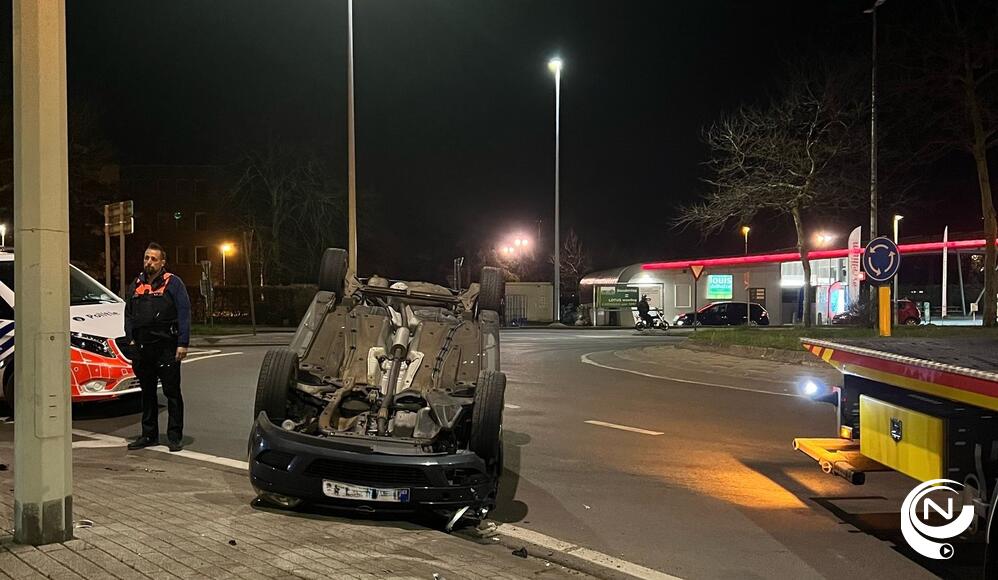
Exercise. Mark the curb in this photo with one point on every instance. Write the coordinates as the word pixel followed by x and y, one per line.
pixel 757 352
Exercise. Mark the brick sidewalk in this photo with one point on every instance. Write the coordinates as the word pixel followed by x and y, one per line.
pixel 161 516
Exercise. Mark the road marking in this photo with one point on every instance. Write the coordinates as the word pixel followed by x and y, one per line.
pixel 113 441
pixel 197 358
pixel 591 556
pixel 624 428
pixel 586 360
pixel 508 406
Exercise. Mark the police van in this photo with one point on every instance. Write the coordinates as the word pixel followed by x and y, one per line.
pixel 99 367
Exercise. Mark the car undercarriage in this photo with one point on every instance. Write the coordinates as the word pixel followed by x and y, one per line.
pixel 389 397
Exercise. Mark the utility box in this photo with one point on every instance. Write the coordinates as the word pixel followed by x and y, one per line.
pixel 529 302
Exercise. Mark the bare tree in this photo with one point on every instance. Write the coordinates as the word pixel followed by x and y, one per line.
pixel 289 199
pixel 789 158
pixel 949 81
pixel 575 262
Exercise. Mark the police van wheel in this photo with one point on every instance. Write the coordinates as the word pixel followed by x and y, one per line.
pixel 8 391
pixel 278 374
pixel 333 270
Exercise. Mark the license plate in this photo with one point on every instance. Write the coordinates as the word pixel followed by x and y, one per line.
pixel 363 493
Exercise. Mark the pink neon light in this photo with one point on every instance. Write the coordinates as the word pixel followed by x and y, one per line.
pixel 815 255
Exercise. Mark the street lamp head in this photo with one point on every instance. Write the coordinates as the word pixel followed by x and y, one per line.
pixel 554 65
pixel 745 230
pixel 226 248
pixel 3 229
pixel 898 217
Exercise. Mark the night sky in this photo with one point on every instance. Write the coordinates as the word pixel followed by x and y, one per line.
pixel 455 102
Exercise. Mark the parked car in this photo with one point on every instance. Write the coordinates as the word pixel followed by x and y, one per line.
pixel 907 314
pixel 728 313
pixel 389 398
pixel 99 364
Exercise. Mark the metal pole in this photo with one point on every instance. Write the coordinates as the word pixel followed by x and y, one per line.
pixel 121 258
pixel 873 141
pixel 557 165
pixel 945 270
pixel 223 267
pixel 959 271
pixel 894 294
pixel 107 247
pixel 43 455
pixel 247 241
pixel 748 307
pixel 351 163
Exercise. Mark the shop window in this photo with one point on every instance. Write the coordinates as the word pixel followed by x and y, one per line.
pixel 684 296
pixel 200 254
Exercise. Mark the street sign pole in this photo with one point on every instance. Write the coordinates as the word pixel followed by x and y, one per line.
pixel 884 293
pixel 107 246
pixel 696 271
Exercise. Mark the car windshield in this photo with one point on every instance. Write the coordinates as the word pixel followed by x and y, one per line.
pixel 85 290
pixel 82 288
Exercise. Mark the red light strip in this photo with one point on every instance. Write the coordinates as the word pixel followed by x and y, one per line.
pixel 816 255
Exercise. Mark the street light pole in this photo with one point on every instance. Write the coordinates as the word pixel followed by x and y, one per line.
pixel 872 11
pixel 748 298
pixel 351 162
pixel 897 220
pixel 555 66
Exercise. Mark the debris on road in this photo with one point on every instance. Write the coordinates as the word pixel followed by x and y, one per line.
pixel 521 552
pixel 83 524
pixel 232 542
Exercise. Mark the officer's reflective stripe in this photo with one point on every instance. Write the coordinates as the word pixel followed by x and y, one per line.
pixel 6 326
pixel 146 289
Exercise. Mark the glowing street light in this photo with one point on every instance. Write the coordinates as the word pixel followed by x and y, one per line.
pixel 554 65
pixel 3 235
pixel 897 220
pixel 824 238
pixel 748 305
pixel 226 249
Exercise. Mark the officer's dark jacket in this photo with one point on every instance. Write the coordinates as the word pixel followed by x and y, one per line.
pixel 158 310
pixel 643 307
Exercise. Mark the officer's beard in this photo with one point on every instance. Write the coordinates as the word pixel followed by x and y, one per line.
pixel 151 272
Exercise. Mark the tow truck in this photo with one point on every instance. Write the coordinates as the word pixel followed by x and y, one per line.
pixel 925 407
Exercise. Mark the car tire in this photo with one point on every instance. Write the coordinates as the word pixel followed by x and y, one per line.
pixel 8 390
pixel 486 417
pixel 333 271
pixel 492 289
pixel 278 373
pixel 910 321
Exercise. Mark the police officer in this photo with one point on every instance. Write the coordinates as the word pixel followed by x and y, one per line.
pixel 158 326
pixel 644 309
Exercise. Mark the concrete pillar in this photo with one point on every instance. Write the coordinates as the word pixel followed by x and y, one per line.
pixel 43 468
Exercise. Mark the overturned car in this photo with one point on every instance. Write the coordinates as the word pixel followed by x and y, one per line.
pixel 388 398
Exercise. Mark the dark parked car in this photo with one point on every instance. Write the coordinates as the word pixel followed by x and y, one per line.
pixel 724 314
pixel 388 398
pixel 907 314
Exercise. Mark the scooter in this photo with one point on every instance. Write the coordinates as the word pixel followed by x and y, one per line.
pixel 658 321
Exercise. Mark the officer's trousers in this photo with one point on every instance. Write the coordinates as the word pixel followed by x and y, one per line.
pixel 156 363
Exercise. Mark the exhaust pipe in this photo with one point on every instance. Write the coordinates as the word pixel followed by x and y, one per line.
pixel 400 349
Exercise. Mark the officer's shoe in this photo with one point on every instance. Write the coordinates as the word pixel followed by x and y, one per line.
pixel 142 442
pixel 175 446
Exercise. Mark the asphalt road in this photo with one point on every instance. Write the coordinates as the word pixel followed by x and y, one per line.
pixel 676 460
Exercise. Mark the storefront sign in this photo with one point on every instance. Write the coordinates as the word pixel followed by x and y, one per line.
pixel 616 297
pixel 855 270
pixel 719 286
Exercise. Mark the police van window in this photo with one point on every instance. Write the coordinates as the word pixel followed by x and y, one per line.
pixel 84 290
pixel 7 274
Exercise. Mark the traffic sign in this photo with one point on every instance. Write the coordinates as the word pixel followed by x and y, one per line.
pixel 881 260
pixel 696 270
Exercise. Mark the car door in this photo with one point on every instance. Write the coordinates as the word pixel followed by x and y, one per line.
pixel 720 314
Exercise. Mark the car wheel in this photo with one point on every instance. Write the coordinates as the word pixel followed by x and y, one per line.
pixel 8 390
pixel 911 322
pixel 486 416
pixel 277 374
pixel 492 288
pixel 333 271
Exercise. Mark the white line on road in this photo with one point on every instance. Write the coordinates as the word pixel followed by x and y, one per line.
pixel 624 428
pixel 591 556
pixel 508 406
pixel 112 441
pixel 589 361
pixel 197 358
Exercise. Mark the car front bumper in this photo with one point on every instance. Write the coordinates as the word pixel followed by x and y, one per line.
pixel 295 465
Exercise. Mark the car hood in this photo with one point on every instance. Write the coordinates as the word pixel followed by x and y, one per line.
pixel 106 320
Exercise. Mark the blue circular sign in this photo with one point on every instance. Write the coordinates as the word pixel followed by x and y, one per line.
pixel 881 260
